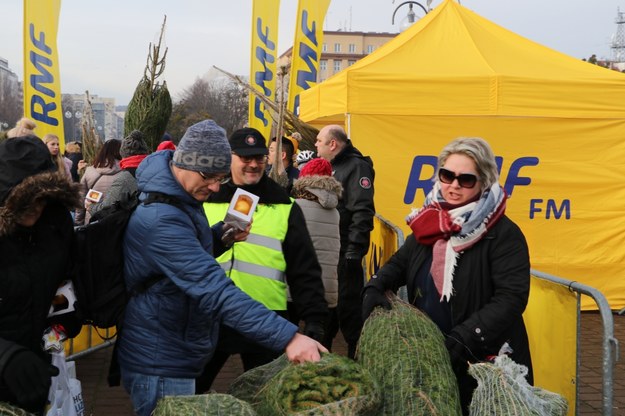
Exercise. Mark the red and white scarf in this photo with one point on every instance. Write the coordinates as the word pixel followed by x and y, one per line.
pixel 451 229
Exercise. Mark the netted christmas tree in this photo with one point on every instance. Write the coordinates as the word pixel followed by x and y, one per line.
pixel 203 405
pixel 7 409
pixel 150 107
pixel 405 352
pixel 502 389
pixel 335 385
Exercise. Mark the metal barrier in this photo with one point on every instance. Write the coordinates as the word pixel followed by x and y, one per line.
pixel 101 342
pixel 610 344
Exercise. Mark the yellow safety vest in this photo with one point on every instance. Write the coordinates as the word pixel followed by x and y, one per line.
pixel 257 265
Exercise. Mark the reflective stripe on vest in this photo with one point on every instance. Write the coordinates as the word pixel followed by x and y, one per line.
pixel 259 265
pixel 255 269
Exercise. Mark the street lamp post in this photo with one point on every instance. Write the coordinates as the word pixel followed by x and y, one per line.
pixel 411 17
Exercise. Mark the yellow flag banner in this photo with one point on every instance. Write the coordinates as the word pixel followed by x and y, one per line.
pixel 263 62
pixel 306 49
pixel 42 84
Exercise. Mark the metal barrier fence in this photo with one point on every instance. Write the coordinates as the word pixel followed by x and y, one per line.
pixel 610 344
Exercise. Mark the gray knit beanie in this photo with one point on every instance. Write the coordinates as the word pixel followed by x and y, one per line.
pixel 204 148
pixel 134 145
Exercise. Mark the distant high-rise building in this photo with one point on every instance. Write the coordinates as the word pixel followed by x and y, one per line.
pixel 106 119
pixel 11 96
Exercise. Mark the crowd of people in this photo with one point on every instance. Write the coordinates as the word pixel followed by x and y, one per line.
pixel 286 282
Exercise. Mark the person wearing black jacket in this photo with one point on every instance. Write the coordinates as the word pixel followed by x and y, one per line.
pixel 36 237
pixel 278 252
pixel 356 208
pixel 466 265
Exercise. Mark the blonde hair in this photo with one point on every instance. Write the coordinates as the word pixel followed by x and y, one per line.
pixel 24 127
pixel 58 158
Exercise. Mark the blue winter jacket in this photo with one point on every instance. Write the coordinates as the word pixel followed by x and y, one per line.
pixel 171 329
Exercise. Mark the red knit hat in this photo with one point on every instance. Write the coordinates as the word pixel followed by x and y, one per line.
pixel 166 145
pixel 318 166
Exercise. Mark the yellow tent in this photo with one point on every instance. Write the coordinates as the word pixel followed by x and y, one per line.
pixel 557 125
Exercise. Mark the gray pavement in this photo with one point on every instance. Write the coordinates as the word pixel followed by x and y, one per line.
pixel 101 400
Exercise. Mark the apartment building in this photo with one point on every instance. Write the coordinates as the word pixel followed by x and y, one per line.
pixel 342 49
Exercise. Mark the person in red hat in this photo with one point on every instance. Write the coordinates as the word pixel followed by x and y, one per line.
pixel 317 193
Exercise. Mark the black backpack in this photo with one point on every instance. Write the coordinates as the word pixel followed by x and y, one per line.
pixel 98 276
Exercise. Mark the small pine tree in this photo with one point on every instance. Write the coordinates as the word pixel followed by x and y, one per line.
pixel 150 107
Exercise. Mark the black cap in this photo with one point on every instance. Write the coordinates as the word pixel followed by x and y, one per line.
pixel 20 158
pixel 248 142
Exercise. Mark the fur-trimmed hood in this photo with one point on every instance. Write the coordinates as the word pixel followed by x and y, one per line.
pixel 51 186
pixel 324 189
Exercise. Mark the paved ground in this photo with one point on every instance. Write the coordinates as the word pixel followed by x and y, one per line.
pixel 101 400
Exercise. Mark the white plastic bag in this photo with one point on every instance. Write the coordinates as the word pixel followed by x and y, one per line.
pixel 65 392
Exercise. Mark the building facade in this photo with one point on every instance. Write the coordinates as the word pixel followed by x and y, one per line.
pixel 108 123
pixel 11 96
pixel 342 49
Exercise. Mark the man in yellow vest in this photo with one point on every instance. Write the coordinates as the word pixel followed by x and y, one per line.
pixel 278 252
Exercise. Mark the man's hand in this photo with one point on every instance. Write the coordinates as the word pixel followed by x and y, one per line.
pixel 302 348
pixel 231 235
pixel 241 235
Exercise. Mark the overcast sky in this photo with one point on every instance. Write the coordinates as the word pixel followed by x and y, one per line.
pixel 103 45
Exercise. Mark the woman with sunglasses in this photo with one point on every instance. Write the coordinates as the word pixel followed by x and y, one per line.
pixel 466 265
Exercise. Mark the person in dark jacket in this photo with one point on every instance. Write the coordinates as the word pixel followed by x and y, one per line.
pixel 466 265
pixel 356 209
pixel 277 253
pixel 171 326
pixel 36 237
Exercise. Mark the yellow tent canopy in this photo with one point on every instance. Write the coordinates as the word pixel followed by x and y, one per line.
pixel 556 123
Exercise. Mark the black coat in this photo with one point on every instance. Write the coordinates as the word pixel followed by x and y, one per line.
pixel 491 288
pixel 33 263
pixel 356 208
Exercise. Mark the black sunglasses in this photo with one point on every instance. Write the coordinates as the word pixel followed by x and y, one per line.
pixel 465 180
pixel 211 179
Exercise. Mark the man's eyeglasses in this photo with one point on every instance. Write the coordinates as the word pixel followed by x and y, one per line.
pixel 210 180
pixel 248 159
pixel 465 180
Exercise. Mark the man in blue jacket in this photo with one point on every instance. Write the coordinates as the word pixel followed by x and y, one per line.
pixel 171 328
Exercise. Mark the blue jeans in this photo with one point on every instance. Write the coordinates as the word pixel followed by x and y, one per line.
pixel 145 390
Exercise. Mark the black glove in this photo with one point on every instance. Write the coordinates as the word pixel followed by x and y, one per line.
pixel 372 297
pixel 28 377
pixel 314 330
pixel 459 349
